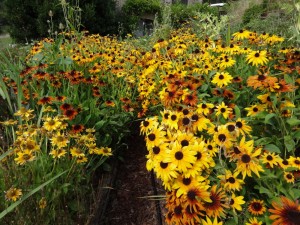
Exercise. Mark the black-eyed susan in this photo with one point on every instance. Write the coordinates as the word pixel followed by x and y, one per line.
pixel 230 181
pixel 285 212
pixel 247 159
pixel 254 221
pixel 208 221
pixel 223 109
pixel 166 172
pixel 236 202
pixel 77 128
pixel 199 123
pixel 289 177
pixel 271 159
pixel 241 34
pixel 205 108
pixel 222 79
pixel 255 109
pixel 13 194
pixel 182 157
pixel 182 184
pixel 216 207
pixel 243 127
pixel 148 124
pixel 155 137
pixel 257 207
pixel 294 162
pixel 257 57
pixel 223 138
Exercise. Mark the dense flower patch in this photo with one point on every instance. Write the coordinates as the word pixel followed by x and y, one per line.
pixel 226 141
pixel 220 120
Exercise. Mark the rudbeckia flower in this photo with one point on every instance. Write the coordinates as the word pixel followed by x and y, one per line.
pixel 257 207
pixel 285 212
pixel 222 79
pixel 257 58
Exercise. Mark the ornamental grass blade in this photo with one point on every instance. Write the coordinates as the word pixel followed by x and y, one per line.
pixel 5 154
pixel 14 205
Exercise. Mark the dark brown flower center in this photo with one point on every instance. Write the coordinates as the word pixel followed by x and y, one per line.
pixel 173 117
pixel 269 158
pixel 156 150
pixel 185 121
pixel 179 155
pixel 231 180
pixel 221 77
pixel 231 128
pixel 222 137
pixel 163 165
pixel 239 124
pixel 256 206
pixel 186 181
pixel 146 123
pixel 151 137
pixel 184 143
pixel 246 158
pixel 191 195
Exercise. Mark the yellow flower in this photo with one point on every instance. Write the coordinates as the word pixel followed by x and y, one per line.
pixel 52 124
pixel 42 203
pixel 257 58
pixel 24 156
pixel 236 202
pixel 76 152
pixel 13 194
pixel 222 79
pixel 223 109
pixel 254 221
pixel 59 140
pixel 58 153
pixel 25 114
pixel 210 222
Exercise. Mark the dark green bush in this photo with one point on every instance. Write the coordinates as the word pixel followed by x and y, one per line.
pixel 252 13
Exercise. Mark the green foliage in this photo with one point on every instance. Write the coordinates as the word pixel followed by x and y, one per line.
pixel 31 20
pixel 132 11
pixel 252 13
pixel 182 13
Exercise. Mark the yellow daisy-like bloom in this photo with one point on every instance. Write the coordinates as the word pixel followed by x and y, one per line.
pixel 285 212
pixel 182 184
pixel 207 221
pixel 24 157
pixel 13 194
pixel 205 108
pixel 257 207
pixel 242 126
pixel 242 34
pixel 294 162
pixel 253 221
pixel 76 152
pixel 217 205
pixel 271 159
pixel 289 177
pixel 155 137
pixel 52 124
pixel 222 79
pixel 148 124
pixel 182 157
pixel 230 181
pixel 105 151
pixel 257 58
pixel 165 171
pixel 236 202
pixel 25 114
pixel 222 137
pixel 58 153
pixel 223 110
pixel 59 140
pixel 247 160
pixel 255 109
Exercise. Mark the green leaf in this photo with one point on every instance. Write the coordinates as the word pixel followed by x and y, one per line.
pixel 99 124
pixel 293 121
pixel 237 112
pixel 272 148
pixel 289 143
pixel 15 204
pixel 268 117
pixel 5 154
pixel 263 141
pixel 296 134
pixel 288 79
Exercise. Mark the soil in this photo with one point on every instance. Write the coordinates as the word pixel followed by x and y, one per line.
pixel 128 199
